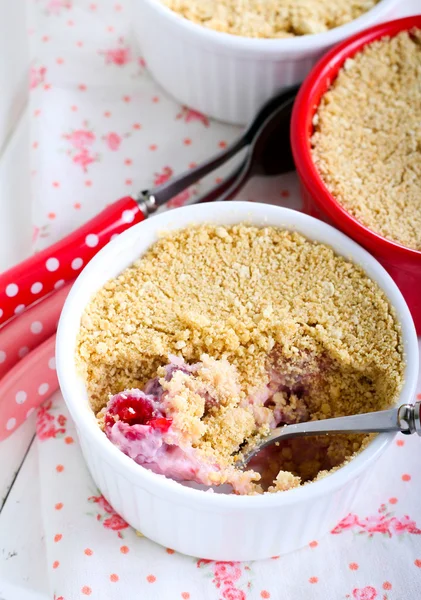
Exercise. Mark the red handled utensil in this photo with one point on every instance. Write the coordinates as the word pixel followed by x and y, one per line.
pixel 27 364
pixel 23 335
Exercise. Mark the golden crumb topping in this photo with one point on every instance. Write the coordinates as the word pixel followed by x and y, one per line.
pixel 284 330
pixel 272 18
pixel 367 138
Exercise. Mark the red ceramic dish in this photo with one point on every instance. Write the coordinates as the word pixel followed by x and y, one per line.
pixel 403 264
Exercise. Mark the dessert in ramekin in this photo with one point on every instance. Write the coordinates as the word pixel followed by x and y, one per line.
pixel 217 335
pixel 355 139
pixel 227 76
pixel 366 143
pixel 217 525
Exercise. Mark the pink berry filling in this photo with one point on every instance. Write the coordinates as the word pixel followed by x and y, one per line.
pixel 137 423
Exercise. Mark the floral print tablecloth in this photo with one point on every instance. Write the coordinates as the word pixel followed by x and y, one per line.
pixel 101 128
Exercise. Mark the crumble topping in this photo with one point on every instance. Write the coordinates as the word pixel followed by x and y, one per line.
pixel 367 138
pixel 205 408
pixel 257 327
pixel 272 18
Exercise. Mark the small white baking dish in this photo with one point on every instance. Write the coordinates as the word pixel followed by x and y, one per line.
pixel 226 76
pixel 199 523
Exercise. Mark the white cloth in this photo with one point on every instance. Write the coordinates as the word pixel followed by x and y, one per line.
pixel 101 128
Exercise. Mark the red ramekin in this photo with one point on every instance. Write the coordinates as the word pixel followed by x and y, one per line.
pixel 403 264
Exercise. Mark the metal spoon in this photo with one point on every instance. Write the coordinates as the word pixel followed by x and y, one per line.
pixel 271 123
pixel 405 419
pixel 263 157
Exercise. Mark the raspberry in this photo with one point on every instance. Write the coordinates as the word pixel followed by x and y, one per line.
pixel 162 424
pixel 136 409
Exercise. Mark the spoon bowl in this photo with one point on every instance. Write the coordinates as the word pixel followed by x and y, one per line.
pixel 266 154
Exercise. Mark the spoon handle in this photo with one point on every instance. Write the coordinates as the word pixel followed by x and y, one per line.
pixel 405 419
pixel 163 193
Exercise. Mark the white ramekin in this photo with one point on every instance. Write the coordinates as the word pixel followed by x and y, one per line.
pixel 226 76
pixel 204 524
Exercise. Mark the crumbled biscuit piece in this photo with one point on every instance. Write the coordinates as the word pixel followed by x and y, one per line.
pixel 284 481
pixel 272 18
pixel 205 408
pixel 367 138
pixel 185 406
pixel 227 430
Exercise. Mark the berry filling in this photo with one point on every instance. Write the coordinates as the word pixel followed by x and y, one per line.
pixel 135 408
pixel 171 425
pixel 137 423
pixel 190 422
pixel 270 328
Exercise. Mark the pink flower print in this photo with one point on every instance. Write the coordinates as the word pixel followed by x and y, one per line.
pixel 81 138
pixel 367 593
pixel 226 577
pixel 118 56
pixel 233 594
pixel 164 176
pixel 202 562
pixel 46 424
pixel 194 115
pixel 55 6
pixel 113 141
pixel 179 200
pixel 36 76
pixel 227 572
pixel 411 527
pixel 103 503
pixel 80 141
pixel 141 62
pixel 405 525
pixel 40 232
pixel 115 522
pixel 84 159
pixel 188 115
pixel 376 524
pixel 110 520
pixel 35 234
pixel 382 522
pixel 349 522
